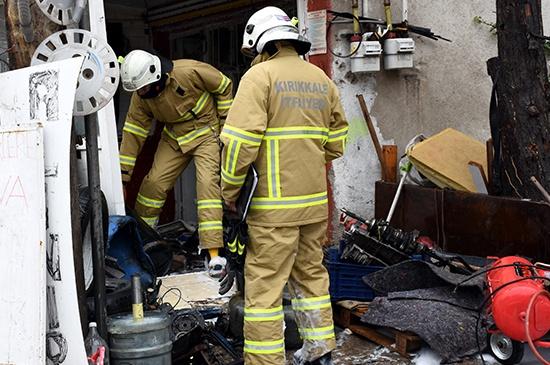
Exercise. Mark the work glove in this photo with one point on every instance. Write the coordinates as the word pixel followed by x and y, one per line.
pixel 233 273
pixel 216 266
pixel 235 237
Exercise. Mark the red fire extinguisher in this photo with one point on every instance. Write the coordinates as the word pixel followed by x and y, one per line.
pixel 520 307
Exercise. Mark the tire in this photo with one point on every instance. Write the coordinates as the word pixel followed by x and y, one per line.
pixel 505 350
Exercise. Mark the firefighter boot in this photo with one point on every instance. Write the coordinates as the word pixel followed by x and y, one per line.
pixel 326 359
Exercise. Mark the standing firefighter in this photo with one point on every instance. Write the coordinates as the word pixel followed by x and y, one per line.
pixel 286 120
pixel 190 98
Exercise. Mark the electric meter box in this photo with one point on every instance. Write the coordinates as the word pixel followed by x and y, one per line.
pixel 367 57
pixel 398 53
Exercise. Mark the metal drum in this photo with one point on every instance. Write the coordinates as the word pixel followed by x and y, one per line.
pixel 142 342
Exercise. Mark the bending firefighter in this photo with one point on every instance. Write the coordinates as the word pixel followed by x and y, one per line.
pixel 190 98
pixel 286 120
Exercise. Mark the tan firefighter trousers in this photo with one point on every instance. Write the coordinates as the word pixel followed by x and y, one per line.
pixel 275 256
pixel 168 164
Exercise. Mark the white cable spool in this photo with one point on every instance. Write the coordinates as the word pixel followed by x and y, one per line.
pixel 99 75
pixel 58 11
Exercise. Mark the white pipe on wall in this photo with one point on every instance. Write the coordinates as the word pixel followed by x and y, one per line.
pixel 405 10
pixel 301 7
pixel 365 6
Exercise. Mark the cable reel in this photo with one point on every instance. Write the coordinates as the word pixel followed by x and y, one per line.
pixel 99 75
pixel 62 12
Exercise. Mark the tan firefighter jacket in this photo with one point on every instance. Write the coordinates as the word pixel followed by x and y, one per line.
pixel 196 95
pixel 287 120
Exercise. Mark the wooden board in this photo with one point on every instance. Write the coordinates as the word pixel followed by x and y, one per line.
pixel 347 314
pixel 23 243
pixel 444 159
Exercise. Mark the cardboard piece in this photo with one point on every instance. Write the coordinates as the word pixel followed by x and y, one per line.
pixel 444 159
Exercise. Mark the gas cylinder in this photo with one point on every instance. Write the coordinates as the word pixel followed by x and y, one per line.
pixel 510 302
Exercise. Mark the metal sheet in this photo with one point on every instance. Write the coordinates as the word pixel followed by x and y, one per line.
pixel 470 224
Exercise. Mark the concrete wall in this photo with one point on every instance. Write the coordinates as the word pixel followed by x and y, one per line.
pixel 448 87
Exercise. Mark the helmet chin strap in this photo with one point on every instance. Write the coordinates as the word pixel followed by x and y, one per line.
pixel 270 50
pixel 156 88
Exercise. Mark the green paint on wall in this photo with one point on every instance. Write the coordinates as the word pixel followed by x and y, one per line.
pixel 357 128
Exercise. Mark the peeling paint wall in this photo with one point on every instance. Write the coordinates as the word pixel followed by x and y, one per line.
pixel 448 87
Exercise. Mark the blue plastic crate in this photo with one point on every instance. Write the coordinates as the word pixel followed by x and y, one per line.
pixel 346 280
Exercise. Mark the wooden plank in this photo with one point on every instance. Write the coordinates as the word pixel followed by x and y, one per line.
pixel 372 335
pixel 348 314
pixel 389 155
pixel 372 131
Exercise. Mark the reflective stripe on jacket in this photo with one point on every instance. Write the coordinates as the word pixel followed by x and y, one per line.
pixel 195 97
pixel 286 119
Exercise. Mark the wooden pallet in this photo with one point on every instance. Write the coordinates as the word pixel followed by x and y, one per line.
pixel 347 314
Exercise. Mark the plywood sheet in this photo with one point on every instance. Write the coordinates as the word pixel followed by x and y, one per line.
pixel 444 159
pixel 192 290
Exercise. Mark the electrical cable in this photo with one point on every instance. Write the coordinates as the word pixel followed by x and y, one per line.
pixel 530 341
pixel 480 312
pixel 481 272
pixel 331 50
pixel 160 301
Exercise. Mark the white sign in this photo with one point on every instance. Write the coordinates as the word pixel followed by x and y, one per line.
pixel 317 31
pixel 22 245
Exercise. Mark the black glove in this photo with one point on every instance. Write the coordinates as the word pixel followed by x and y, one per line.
pixel 235 240
pixel 233 272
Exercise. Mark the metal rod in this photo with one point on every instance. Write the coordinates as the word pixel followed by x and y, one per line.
pixel 137 298
pixel 387 10
pixel 396 198
pixel 398 193
pixel 355 12
pixel 541 189
pixel 96 220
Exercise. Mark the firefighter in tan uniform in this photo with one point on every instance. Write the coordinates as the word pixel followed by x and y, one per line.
pixel 286 120
pixel 192 99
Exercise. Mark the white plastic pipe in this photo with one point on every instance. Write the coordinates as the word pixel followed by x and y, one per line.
pixel 397 194
pixel 405 10
pixel 365 6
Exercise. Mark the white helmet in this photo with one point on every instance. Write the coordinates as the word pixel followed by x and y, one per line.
pixel 138 69
pixel 271 24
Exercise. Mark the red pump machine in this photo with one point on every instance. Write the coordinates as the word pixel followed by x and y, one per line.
pixel 520 307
